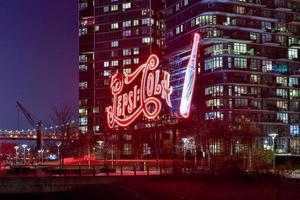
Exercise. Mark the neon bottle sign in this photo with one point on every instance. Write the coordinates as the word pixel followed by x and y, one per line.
pixel 189 80
pixel 141 99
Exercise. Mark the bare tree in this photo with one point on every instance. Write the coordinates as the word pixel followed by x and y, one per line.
pixel 61 116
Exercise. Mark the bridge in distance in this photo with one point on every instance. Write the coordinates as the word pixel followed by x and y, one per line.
pixel 51 133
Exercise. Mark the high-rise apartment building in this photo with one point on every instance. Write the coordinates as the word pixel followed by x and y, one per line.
pixel 116 36
pixel 248 64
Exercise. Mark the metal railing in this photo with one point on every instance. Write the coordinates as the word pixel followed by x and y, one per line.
pixel 87 170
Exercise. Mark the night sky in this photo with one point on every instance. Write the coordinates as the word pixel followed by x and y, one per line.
pixel 39 58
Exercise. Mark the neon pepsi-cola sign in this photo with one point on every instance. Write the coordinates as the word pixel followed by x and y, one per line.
pixel 143 91
pixel 140 99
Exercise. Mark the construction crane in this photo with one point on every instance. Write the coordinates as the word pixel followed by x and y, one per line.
pixel 35 123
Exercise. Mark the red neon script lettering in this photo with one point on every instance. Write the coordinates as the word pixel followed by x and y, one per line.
pixel 127 106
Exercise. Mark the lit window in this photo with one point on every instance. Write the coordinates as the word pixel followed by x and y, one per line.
pixel 82 58
pixel 214 50
pixel 127 24
pixel 82 67
pixel 136 51
pixel 147 40
pixel 266 65
pixel 179 29
pixel 127 149
pixel 83 5
pixel 213 63
pixel 83 31
pixel 240 10
pixel 83 85
pixel 136 61
pixel 83 112
pixel 206 20
pixel 105 9
pixel 266 37
pixel 239 48
pixel 96 128
pixel 216 90
pixel 114 7
pixel 292 53
pixel 106 63
pixel 126 6
pixel 186 2
pixel 114 63
pixel 148 21
pixel 126 33
pixel 293 40
pixel 146 149
pixel 282 104
pixel 294 130
pixel 135 22
pixel 294 93
pixel 214 103
pixel 114 25
pixel 239 90
pixel 293 81
pixel 227 22
pixel 114 43
pixel 214 115
pixel 127 70
pixel 145 12
pixel 127 62
pixel 107 73
pixel 283 117
pixel 281 93
pixel 253 36
pixel 281 80
pixel 240 63
pixel 96 110
pixel 83 129
pixel 254 78
pixel 126 52
pixel 177 6
pixel 83 121
pixel 266 25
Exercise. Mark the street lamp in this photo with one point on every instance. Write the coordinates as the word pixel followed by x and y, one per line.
pixel 58 156
pixel 24 147
pixel 58 145
pixel 100 144
pixel 185 144
pixel 16 148
pixel 28 150
pixel 39 152
pixel 273 136
pixel 42 152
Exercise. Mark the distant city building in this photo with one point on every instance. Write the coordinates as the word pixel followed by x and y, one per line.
pixel 248 66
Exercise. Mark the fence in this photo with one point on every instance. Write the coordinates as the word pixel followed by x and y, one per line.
pixel 142 169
